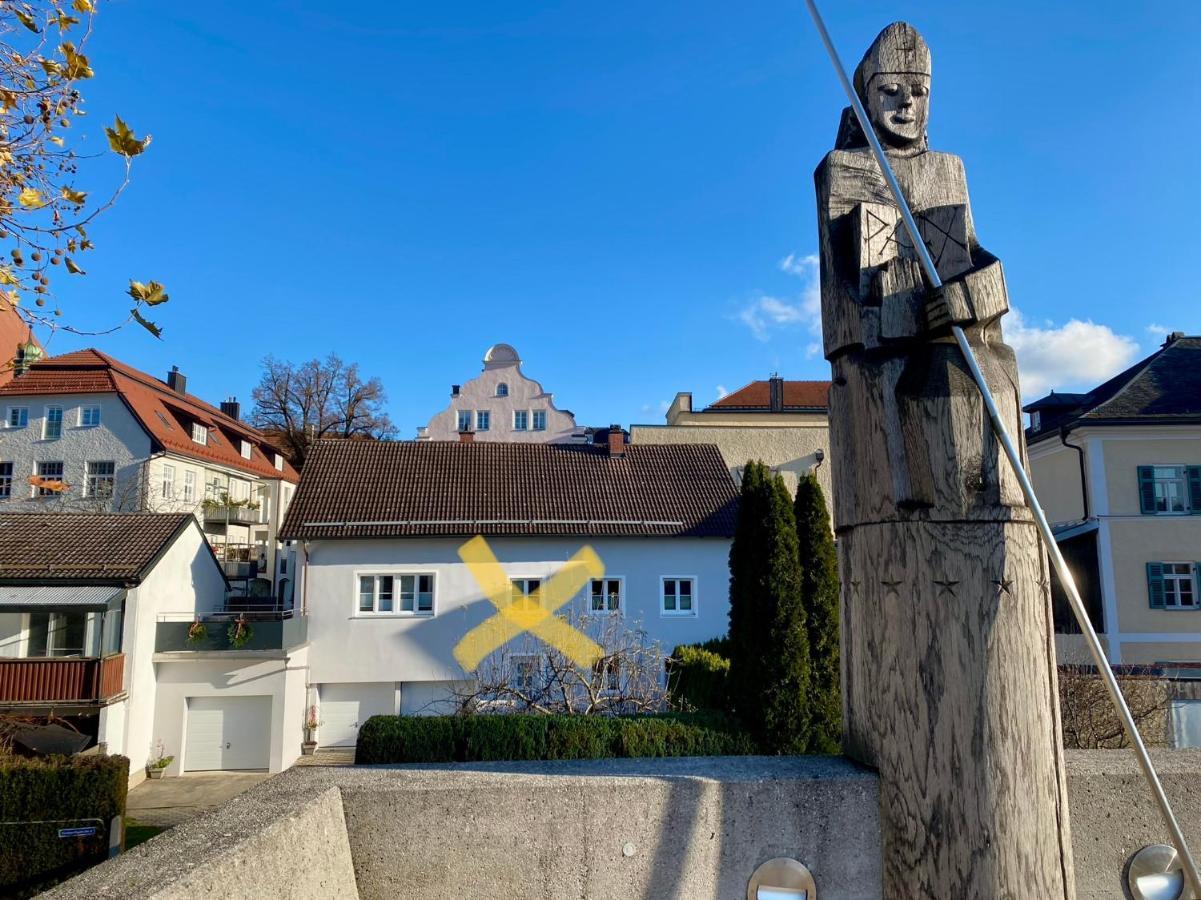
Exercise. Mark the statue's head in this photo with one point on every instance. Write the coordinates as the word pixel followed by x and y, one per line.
pixel 893 81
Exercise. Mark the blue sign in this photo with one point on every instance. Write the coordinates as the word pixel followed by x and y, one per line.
pixel 77 832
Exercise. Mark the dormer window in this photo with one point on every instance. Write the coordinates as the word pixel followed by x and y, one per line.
pixel 1036 420
pixel 279 462
pixel 245 448
pixel 200 434
pixel 502 390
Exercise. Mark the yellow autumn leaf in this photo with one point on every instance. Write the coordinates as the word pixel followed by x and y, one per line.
pixel 56 140
pixel 6 276
pixel 152 293
pixel 72 267
pixel 83 6
pixel 73 196
pixel 29 197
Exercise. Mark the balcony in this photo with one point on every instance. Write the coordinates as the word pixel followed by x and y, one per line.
pixel 268 630
pixel 42 680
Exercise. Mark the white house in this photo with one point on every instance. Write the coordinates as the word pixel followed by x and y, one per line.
pixel 98 617
pixel 380 527
pixel 502 404
pixel 85 432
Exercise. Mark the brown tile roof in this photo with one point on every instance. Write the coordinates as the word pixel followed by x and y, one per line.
pixel 74 547
pixel 14 331
pixel 409 489
pixel 165 415
pixel 798 396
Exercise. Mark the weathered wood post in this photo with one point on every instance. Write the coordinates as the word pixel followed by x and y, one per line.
pixel 948 657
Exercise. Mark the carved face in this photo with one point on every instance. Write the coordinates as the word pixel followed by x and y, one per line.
pixel 899 107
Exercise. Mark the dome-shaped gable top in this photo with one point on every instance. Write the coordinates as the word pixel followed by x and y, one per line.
pixel 501 355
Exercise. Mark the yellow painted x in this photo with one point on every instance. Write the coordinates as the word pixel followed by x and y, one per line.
pixel 535 614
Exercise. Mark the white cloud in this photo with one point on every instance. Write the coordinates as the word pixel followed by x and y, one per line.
pixel 1074 356
pixel 721 391
pixel 1158 330
pixel 802 266
pixel 766 314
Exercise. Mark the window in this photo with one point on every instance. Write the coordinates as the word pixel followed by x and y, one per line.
pixel 379 594
pixel 606 674
pixel 464 420
pixel 100 477
pixel 525 587
pixel 168 482
pixel 57 634
pixel 679 595
pixel 539 419
pixel 1036 420
pixel 89 416
pixel 6 479
pixel 482 419
pixel 50 471
pixel 502 390
pixel 527 672
pixel 52 428
pixel 521 420
pixel 606 595
pixel 1172 585
pixel 245 448
pixel 189 486
pixel 18 417
pixel 200 434
pixel 279 462
pixel 1169 490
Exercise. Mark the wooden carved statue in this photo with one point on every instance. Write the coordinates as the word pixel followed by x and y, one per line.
pixel 948 657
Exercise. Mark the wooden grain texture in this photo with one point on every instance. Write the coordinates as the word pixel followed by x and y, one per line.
pixel 949 691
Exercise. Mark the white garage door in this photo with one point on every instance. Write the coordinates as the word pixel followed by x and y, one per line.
pixel 345 707
pixel 228 733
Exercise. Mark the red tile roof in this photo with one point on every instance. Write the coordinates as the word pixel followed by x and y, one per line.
pixel 163 413
pixel 14 331
pixel 756 396
pixel 373 489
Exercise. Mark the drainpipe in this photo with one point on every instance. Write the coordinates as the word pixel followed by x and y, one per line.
pixel 1064 431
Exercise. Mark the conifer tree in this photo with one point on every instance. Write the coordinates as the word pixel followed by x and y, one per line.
pixel 819 591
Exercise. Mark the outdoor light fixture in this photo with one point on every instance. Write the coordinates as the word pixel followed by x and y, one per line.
pixel 820 455
pixel 785 879
pixel 1155 873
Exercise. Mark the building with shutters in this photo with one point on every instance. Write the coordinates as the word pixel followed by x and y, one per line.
pixel 1118 471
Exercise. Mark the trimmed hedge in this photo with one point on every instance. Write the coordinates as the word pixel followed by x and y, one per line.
pixel 482 738
pixel 68 788
pixel 700 677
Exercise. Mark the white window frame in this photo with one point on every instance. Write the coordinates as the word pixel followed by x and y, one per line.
pixel 621 596
pixel 168 491
pixel 22 414
pixel 523 425
pixel 37 470
pixel 535 414
pixel 525 581
pixel 46 436
pixel 1172 582
pixel 396 612
pixel 189 486
pixel 502 389
pixel 483 420
pixel 516 661
pixel 278 462
pixel 245 449
pixel 90 478
pixel 6 479
pixel 84 415
pixel 677 613
pixel 200 433
pixel 1183 490
pixel 463 420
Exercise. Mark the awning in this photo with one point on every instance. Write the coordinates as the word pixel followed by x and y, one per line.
pixel 48 597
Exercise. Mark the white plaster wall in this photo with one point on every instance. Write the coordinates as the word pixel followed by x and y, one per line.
pixel 186 580
pixel 233 675
pixel 429 698
pixel 524 393
pixel 111 731
pixel 348 647
pixel 119 437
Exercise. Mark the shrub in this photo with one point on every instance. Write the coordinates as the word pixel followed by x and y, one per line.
pixel 56 788
pixel 483 738
pixel 819 591
pixel 700 677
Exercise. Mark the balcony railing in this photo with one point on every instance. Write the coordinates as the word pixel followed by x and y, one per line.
pixel 61 680
pixel 268 629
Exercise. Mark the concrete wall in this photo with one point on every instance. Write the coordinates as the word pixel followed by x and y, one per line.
pixel 790 449
pixel 119 438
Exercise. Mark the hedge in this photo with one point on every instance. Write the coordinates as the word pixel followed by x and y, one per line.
pixel 481 738
pixel 700 677
pixel 33 856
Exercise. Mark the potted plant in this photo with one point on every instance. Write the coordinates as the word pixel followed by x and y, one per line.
pixel 239 632
pixel 198 632
pixel 158 764
pixel 311 724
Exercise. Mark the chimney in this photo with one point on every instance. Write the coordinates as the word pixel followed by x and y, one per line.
pixel 177 381
pixel 1173 338
pixel 617 441
pixel 454 390
pixel 776 389
pixel 466 436
pixel 232 408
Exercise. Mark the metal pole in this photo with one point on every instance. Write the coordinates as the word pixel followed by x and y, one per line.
pixel 1057 560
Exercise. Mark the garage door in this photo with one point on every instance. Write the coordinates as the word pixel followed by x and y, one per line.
pixel 345 707
pixel 227 733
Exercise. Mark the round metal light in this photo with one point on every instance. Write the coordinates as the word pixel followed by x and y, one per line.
pixel 1155 873
pixel 781 879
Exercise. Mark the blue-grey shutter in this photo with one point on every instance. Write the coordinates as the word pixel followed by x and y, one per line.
pixel 1194 489
pixel 1155 584
pixel 1146 489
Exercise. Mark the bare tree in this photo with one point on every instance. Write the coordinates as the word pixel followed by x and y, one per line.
pixel 301 402
pixel 1089 719
pixel 529 676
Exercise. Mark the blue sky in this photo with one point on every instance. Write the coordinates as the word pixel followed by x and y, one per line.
pixel 613 188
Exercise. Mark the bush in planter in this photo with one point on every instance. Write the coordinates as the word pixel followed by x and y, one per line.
pixel 479 738
pixel 57 787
